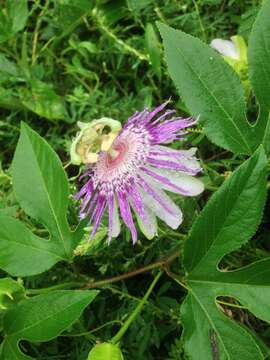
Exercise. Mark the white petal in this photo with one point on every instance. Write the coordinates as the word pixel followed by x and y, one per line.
pixel 148 225
pixel 225 47
pixel 186 153
pixel 185 157
pixel 115 221
pixel 172 220
pixel 186 184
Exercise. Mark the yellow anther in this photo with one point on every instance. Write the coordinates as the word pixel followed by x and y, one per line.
pixel 107 141
pixel 93 137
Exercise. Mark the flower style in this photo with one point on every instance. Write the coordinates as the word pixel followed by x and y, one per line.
pixel 132 174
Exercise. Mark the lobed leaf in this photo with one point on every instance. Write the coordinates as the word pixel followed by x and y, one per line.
pixel 229 219
pixel 23 253
pixel 41 188
pixel 42 318
pixel 209 334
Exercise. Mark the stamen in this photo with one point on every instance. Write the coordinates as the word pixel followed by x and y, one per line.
pixel 94 137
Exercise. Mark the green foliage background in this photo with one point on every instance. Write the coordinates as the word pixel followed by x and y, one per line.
pixel 65 61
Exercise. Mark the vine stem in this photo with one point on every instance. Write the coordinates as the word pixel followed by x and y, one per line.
pixel 36 32
pixel 121 43
pixel 66 285
pixel 136 311
pixel 87 333
pixel 199 19
pixel 159 264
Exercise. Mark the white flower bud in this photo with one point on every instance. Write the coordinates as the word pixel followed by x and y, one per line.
pixel 226 48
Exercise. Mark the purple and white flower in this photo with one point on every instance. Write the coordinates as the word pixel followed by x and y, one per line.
pixel 134 173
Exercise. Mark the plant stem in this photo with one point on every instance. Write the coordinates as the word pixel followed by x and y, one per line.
pixel 176 278
pixel 163 263
pixel 36 32
pixel 159 264
pixel 121 43
pixel 136 311
pixel 87 333
pixel 199 19
pixel 67 285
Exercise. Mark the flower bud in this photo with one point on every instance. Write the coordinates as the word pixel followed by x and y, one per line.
pixel 234 52
pixel 93 137
pixel 105 351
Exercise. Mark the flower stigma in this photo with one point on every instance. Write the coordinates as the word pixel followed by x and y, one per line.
pixel 93 137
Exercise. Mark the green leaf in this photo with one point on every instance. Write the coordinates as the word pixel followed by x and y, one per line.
pixel 98 242
pixel 70 13
pixel 42 318
pixel 259 72
pixel 209 87
pixel 43 100
pixel 229 219
pixel 4 26
pixel 41 188
pixel 105 351
pixel 9 100
pixel 10 292
pixel 153 48
pixel 247 21
pixel 8 67
pixel 41 185
pixel 112 11
pixel 13 18
pixel 138 5
pixel 18 12
pixel 259 56
pixel 23 253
